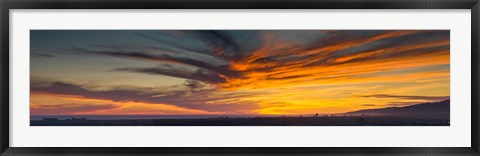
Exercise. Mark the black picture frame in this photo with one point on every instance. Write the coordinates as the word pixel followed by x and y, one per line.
pixel 7 5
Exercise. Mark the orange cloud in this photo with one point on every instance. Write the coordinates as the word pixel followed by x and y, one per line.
pixel 56 104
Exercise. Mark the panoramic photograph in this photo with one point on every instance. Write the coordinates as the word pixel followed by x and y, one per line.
pixel 239 78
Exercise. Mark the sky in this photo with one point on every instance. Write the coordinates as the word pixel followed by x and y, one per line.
pixel 235 72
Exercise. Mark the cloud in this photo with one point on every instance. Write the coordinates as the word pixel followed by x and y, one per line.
pixel 62 109
pixel 167 45
pixel 368 105
pixel 220 70
pixel 401 104
pixel 199 74
pixel 232 62
pixel 42 55
pixel 194 85
pixel 428 98
pixel 219 42
pixel 203 99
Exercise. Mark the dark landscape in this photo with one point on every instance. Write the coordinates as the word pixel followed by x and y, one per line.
pixel 418 120
pixel 425 114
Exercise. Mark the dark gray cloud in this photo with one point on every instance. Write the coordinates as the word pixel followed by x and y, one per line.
pixel 401 104
pixel 138 47
pixel 194 85
pixel 220 70
pixel 220 44
pixel 199 74
pixel 239 45
pixel 167 45
pixel 42 55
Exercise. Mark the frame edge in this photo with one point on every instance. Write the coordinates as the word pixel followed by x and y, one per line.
pixel 475 76
pixel 4 79
pixel 83 4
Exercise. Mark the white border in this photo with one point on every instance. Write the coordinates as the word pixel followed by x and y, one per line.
pixel 456 135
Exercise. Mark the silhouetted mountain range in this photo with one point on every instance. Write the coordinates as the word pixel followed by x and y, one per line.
pixel 442 107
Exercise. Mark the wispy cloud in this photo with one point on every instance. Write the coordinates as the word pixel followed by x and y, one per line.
pixel 428 98
pixel 62 109
pixel 281 62
pixel 203 99
pixel 42 55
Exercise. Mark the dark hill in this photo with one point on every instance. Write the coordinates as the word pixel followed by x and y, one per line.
pixel 442 107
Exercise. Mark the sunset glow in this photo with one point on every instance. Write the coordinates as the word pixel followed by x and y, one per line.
pixel 235 72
